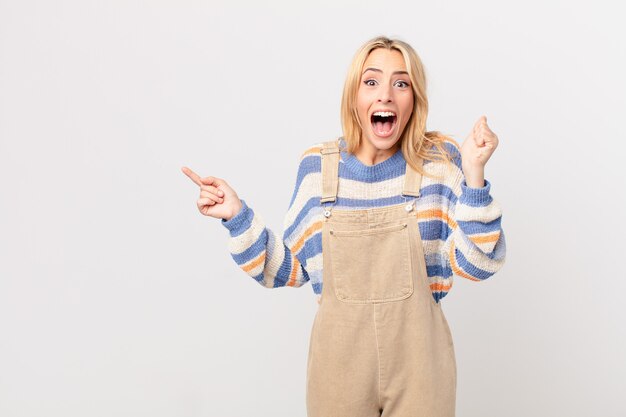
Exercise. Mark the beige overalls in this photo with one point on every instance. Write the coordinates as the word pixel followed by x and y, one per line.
pixel 380 344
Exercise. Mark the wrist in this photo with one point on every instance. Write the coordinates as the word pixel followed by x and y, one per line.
pixel 474 176
pixel 236 210
pixel 241 221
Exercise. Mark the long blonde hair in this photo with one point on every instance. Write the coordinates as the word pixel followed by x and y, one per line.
pixel 415 142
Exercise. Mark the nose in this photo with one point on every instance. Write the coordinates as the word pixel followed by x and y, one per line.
pixel 385 94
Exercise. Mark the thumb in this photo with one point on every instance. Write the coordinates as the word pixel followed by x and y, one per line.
pixel 482 120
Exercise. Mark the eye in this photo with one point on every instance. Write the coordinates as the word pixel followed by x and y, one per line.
pixel 369 82
pixel 403 84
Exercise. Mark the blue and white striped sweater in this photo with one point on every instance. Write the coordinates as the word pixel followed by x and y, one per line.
pixel 460 226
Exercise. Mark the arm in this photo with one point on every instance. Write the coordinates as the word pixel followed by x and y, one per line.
pixel 260 253
pixel 475 247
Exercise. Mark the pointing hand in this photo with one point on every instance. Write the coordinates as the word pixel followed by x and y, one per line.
pixel 217 198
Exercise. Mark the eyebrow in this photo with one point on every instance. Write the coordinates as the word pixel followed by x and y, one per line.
pixel 377 70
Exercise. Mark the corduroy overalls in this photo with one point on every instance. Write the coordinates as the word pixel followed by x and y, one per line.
pixel 380 343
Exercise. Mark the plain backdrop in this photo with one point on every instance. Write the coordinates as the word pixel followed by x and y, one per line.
pixel 118 298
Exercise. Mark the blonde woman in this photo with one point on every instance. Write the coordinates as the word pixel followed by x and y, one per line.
pixel 379 221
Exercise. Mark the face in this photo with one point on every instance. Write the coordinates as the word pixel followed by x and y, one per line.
pixel 384 99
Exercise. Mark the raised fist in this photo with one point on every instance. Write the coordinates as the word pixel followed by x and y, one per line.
pixel 479 145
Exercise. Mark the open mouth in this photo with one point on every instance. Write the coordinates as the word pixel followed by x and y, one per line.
pixel 383 123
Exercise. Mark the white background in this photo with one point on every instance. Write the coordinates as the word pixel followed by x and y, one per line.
pixel 117 298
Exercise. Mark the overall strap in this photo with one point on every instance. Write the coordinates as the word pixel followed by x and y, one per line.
pixel 330 170
pixel 412 181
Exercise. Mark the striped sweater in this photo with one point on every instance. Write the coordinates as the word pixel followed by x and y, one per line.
pixel 460 226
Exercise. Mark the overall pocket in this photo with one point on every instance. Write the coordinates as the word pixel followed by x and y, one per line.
pixel 371 265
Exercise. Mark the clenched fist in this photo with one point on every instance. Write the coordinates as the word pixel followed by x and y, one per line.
pixel 476 151
pixel 217 198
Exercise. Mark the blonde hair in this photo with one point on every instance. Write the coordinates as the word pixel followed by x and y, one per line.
pixel 415 142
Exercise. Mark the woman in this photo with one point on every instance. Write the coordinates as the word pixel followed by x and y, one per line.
pixel 395 211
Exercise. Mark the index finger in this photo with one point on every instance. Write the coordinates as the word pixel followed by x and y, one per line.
pixel 194 177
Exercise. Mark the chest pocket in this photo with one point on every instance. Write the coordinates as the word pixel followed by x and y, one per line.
pixel 371 265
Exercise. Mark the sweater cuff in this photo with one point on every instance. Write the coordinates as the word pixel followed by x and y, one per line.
pixel 241 221
pixel 475 197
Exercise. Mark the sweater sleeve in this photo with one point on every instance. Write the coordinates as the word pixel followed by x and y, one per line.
pixel 475 247
pixel 260 253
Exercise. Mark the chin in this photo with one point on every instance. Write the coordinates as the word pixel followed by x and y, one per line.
pixel 382 144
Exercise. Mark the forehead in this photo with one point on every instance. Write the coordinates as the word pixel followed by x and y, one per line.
pixel 386 60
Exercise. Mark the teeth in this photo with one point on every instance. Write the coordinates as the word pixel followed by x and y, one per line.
pixel 384 113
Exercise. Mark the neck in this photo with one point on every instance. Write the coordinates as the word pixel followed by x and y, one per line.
pixel 368 154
